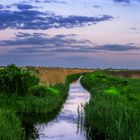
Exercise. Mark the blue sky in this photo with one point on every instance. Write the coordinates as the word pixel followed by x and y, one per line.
pixel 70 33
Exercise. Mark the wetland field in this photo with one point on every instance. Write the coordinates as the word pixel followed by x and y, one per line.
pixel 68 104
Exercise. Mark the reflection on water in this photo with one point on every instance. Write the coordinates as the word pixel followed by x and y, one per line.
pixel 30 120
pixel 68 124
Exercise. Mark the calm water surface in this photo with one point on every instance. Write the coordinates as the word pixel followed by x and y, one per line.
pixel 68 123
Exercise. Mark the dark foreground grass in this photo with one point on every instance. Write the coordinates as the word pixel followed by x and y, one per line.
pixel 10 125
pixel 36 100
pixel 113 112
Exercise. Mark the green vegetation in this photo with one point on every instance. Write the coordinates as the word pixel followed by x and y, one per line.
pixel 20 93
pixel 10 125
pixel 113 110
pixel 73 77
pixel 14 80
pixel 114 107
pixel 111 90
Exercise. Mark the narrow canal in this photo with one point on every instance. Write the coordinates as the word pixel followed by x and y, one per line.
pixel 68 123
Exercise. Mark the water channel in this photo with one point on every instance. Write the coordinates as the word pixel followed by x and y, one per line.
pixel 68 125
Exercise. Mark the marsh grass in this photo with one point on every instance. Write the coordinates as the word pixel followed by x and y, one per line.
pixel 10 125
pixel 114 108
pixel 53 76
pixel 125 73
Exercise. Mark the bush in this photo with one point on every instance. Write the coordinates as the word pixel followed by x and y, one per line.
pixel 14 80
pixel 42 91
pixel 39 91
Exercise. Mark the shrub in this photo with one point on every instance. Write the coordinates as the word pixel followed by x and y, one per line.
pixel 14 80
pixel 42 91
pixel 39 91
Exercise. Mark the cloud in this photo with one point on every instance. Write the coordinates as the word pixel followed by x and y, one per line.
pixel 24 6
pixel 38 39
pixel 119 1
pixel 20 35
pixel 133 28
pixel 42 44
pixel 50 1
pixel 33 19
pixel 1 6
pixel 97 6
pixel 116 47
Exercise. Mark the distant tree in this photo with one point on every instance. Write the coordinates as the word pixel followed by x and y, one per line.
pixel 14 80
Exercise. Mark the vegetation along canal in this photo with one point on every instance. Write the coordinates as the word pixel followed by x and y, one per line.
pixel 68 123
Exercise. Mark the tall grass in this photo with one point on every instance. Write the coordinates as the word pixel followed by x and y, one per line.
pixel 126 73
pixel 27 104
pixel 10 125
pixel 53 76
pixel 114 108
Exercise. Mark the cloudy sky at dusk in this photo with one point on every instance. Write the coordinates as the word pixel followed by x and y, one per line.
pixel 70 33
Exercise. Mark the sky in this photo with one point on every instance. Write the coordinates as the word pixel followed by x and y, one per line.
pixel 70 33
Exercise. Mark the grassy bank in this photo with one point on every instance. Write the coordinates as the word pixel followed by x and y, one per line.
pixel 114 109
pixel 21 93
pixel 36 104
